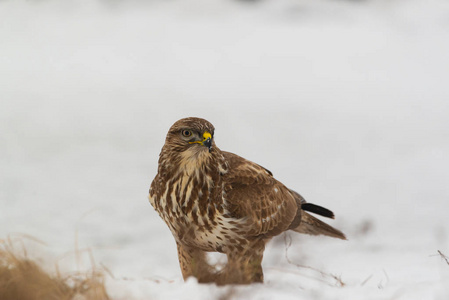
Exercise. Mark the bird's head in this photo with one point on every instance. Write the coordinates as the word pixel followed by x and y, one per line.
pixel 190 134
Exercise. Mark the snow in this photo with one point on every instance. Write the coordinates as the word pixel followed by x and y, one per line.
pixel 344 101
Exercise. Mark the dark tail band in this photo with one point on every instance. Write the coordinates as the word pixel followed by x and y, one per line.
pixel 319 210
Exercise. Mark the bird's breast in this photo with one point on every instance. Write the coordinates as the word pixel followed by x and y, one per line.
pixel 192 207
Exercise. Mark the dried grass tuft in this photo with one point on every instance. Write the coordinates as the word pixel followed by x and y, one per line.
pixel 22 278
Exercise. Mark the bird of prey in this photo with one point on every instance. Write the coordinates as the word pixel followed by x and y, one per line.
pixel 217 201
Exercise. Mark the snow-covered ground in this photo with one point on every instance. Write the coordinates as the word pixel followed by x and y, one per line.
pixel 346 102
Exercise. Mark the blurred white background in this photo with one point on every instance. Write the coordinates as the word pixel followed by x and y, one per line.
pixel 344 101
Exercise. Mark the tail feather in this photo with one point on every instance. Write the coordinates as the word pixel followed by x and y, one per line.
pixel 313 226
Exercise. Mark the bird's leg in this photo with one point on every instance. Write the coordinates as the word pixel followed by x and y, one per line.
pixel 193 262
pixel 245 265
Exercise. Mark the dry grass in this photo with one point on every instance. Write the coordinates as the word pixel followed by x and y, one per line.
pixel 329 279
pixel 444 257
pixel 22 278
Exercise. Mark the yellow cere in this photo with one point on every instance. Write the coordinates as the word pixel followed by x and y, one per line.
pixel 206 136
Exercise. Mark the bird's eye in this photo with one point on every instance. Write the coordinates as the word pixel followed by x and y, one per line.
pixel 186 133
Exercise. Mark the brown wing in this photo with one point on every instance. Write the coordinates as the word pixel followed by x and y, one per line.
pixel 253 194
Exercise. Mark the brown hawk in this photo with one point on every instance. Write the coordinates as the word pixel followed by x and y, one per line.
pixel 216 201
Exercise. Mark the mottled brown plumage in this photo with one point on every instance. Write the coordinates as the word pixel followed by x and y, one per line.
pixel 216 201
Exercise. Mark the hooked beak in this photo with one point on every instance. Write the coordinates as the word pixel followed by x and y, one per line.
pixel 207 140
